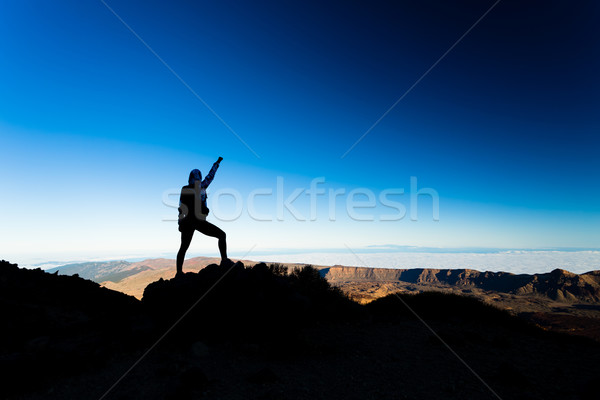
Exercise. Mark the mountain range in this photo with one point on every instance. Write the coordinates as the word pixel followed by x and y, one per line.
pixel 559 300
pixel 267 332
pixel 559 285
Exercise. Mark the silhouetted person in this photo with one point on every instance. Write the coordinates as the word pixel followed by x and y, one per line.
pixel 193 212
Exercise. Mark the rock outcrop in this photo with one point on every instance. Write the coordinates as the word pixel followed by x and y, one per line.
pixel 229 301
pixel 58 324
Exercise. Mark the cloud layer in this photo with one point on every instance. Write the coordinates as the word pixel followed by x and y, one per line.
pixel 518 262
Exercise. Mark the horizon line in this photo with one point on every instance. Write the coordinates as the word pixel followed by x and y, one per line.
pixel 38 261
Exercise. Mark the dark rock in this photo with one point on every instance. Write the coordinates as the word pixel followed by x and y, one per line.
pixel 263 376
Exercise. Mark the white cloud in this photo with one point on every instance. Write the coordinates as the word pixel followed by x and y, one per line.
pixel 518 262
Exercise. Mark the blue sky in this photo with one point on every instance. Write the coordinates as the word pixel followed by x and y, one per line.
pixel 96 131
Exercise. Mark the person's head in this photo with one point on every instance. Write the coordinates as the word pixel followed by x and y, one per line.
pixel 195 176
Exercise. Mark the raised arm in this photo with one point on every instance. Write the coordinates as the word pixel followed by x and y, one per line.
pixel 211 175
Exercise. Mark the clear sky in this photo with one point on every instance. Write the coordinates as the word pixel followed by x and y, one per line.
pixel 97 134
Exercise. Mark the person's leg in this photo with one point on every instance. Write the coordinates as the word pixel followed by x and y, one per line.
pixel 186 239
pixel 209 229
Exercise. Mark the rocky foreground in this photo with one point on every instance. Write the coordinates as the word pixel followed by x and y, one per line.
pixel 260 332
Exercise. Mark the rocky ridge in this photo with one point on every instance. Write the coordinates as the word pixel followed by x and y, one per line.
pixel 558 285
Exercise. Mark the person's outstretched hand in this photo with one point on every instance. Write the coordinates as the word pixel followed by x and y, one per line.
pixel 219 160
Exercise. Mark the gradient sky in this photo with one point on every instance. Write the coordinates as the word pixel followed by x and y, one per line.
pixel 96 131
